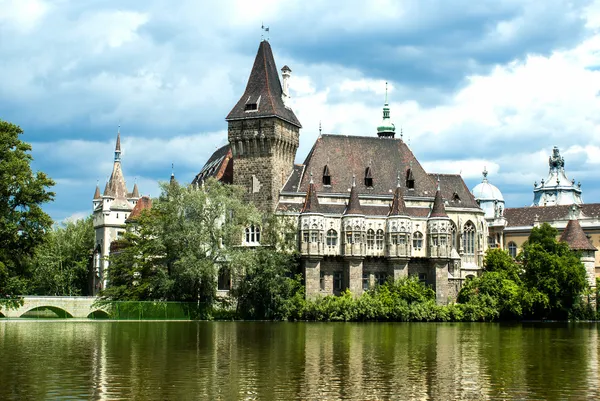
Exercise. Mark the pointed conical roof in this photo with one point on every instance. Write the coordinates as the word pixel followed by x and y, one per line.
pixel 311 202
pixel 354 203
pixel 438 210
pixel 118 146
pixel 398 206
pixel 136 192
pixel 106 190
pixel 116 184
pixel 97 193
pixel 576 238
pixel 263 90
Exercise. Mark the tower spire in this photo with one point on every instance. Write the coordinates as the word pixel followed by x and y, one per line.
pixel 118 145
pixel 387 128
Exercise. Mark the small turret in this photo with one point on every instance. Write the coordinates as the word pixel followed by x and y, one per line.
pixel 387 128
pixel 354 203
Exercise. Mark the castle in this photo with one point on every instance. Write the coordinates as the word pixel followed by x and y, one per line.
pixel 365 208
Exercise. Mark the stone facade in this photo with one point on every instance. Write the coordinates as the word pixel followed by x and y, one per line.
pixel 263 157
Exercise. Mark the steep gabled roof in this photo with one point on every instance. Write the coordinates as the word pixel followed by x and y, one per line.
pixel 136 192
pixel 346 156
pixel 398 206
pixel 311 202
pixel 527 216
pixel 354 203
pixel 97 193
pixel 576 238
pixel 438 209
pixel 264 90
pixel 219 166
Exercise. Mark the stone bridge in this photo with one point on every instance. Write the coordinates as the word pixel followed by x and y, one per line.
pixel 77 307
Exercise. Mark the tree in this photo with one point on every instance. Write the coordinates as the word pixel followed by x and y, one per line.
pixel 179 245
pixel 553 273
pixel 23 223
pixel 60 264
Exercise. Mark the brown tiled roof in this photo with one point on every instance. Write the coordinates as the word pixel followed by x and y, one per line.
pixel 398 206
pixel 311 202
pixel 576 238
pixel 97 193
pixel 142 204
pixel 291 184
pixel 526 216
pixel 219 166
pixel 264 89
pixel 438 209
pixel 118 146
pixel 346 156
pixel 354 203
pixel 454 190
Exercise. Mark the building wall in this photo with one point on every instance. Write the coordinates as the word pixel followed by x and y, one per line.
pixel 263 151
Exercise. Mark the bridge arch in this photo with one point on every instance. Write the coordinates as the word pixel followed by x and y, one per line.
pixel 59 312
pixel 98 314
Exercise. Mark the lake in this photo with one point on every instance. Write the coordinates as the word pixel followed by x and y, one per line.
pixel 111 360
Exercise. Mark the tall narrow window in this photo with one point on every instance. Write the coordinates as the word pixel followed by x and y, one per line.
pixel 380 278
pixel 365 281
pixel 337 281
pixel 410 179
pixel 332 237
pixel 469 241
pixel 379 239
pixel 417 240
pixel 349 237
pixel 370 239
pixel 512 249
pixel 326 176
pixel 368 178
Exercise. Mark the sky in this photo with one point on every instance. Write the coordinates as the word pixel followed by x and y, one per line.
pixel 493 84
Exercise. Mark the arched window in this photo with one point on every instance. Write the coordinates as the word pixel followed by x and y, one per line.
pixel 332 237
pixel 418 240
pixel 349 237
pixel 252 235
pixel 512 249
pixel 357 238
pixel 379 239
pixel 469 241
pixel 370 239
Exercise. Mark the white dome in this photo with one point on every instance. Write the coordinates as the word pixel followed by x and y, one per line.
pixel 487 191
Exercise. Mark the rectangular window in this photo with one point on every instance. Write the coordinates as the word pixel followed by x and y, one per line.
pixel 337 281
pixel 314 236
pixel 394 239
pixel 348 237
pixel 423 278
pixel 305 236
pixel 322 281
pixel 365 281
pixel 380 278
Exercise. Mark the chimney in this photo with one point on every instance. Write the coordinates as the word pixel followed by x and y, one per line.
pixel 285 74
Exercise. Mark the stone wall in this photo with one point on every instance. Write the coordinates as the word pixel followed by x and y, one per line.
pixel 263 151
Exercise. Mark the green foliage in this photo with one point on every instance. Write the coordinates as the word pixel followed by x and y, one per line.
pixel 554 272
pixel 60 264
pixel 178 246
pixel 265 284
pixel 23 223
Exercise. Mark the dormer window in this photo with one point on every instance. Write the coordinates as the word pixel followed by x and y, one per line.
pixel 252 104
pixel 410 179
pixel 326 176
pixel 251 107
pixel 368 178
pixel 455 197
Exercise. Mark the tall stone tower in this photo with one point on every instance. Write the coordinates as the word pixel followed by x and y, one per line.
pixel 263 132
pixel 111 210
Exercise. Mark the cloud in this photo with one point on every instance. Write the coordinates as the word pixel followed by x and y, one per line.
pixel 493 84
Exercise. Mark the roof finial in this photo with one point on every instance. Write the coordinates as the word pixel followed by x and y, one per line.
pixel 438 183
pixel 311 177
pixel 398 179
pixel 320 128
pixel 118 145
pixel 401 133
pixel 353 180
pixel 485 173
pixel 386 91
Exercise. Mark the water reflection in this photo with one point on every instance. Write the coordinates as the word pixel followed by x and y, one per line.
pixel 202 360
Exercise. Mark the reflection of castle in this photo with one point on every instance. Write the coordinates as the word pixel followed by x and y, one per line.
pixel 557 201
pixel 366 209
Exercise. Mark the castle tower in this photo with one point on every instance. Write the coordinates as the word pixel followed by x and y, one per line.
pixel 263 133
pixel 110 210
pixel 556 189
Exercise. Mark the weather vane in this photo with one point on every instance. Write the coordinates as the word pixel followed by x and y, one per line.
pixel 265 30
